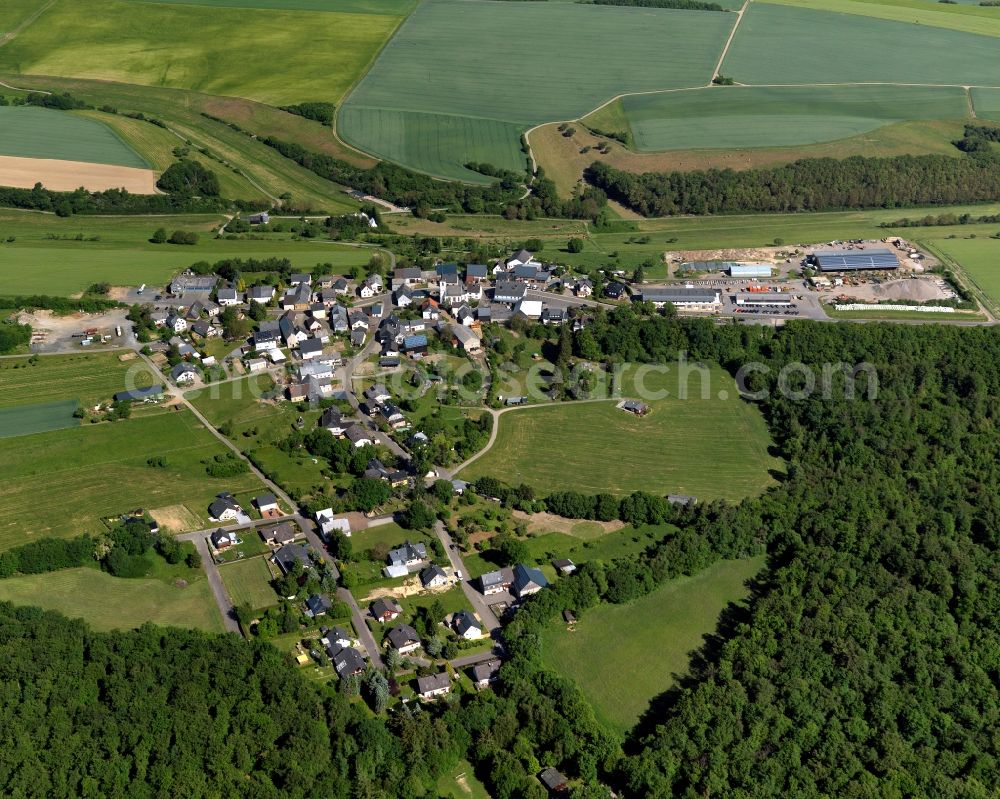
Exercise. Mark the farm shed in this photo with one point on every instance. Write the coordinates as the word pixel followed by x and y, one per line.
pixel 682 297
pixel 749 270
pixel 855 260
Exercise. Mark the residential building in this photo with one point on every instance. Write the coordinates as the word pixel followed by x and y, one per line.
pixel 553 780
pixel 261 294
pixel 496 582
pixel 466 626
pixel 347 662
pixel 483 674
pixel 433 577
pixel 223 539
pixel 385 609
pixel 507 291
pixel 183 373
pixel 224 509
pixel 177 323
pixel 229 296
pixel 527 581
pixel 310 348
pixel 358 436
pixel 434 686
pixel 318 605
pixel 279 534
pixel 291 556
pixel 266 503
pixel 408 555
pixel 404 639
pixel 328 524
pixel 466 339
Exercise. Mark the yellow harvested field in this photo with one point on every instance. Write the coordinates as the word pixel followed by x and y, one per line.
pixel 58 175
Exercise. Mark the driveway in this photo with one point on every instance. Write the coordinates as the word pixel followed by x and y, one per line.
pixel 222 599
pixel 476 599
pixel 364 634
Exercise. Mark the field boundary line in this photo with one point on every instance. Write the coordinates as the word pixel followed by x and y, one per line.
pixel 729 41
pixel 11 35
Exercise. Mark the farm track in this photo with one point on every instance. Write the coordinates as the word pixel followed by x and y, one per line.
pixel 11 35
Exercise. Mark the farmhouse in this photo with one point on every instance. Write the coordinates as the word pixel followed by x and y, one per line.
pixel 507 291
pixel 465 339
pixel 433 576
pixel 223 539
pixel 404 639
pixel 528 580
pixel 682 297
pixel 229 296
pixel 466 626
pixel 224 509
pixel 385 609
pixel 485 673
pixel 434 685
pixel 148 394
pixel 290 556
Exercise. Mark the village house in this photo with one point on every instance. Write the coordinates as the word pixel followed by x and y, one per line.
pixel 177 323
pixel 615 290
pixel 527 581
pixel 433 577
pixel 405 276
pixel 347 662
pixel 256 365
pixel 553 780
pixel 476 273
pixel 358 436
pixel 183 373
pixel 483 674
pixel 261 294
pixel 434 686
pixel 266 503
pixel 310 348
pixel 385 609
pixel 465 339
pixel 583 288
pixel 333 420
pixel 298 278
pixel 267 337
pixel 228 296
pixel 317 605
pixel 405 559
pixel 223 540
pixel 224 509
pixel 290 556
pixel 328 524
pixel 370 287
pixel 496 582
pixel 404 639
pixel 509 292
pixel 279 534
pixel 336 637
pixel 430 310
pixel 465 626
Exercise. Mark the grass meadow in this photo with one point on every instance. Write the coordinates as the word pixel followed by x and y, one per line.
pixel 648 642
pixel 89 378
pixel 64 482
pixel 979 258
pixel 561 80
pixel 735 117
pixel 782 44
pixel 249 580
pixel 111 603
pixel 30 132
pixel 963 15
pixel 711 448
pixel 64 256
pixel 987 103
pixel 297 55
pixel 41 417
pixel 15 12
pixel 399 7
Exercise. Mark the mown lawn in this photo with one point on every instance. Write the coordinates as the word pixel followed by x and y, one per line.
pixel 64 482
pixel 711 447
pixel 978 257
pixel 249 580
pixel 645 645
pixel 109 603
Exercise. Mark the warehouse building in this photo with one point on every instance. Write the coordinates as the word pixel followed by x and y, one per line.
pixel 749 270
pixel 854 260
pixel 763 298
pixel 682 297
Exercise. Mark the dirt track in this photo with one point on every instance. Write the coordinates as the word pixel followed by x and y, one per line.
pixel 70 175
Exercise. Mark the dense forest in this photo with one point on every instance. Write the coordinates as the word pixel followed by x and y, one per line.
pixel 865 665
pixel 811 184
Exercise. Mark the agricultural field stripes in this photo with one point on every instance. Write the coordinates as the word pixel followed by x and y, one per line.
pixel 504 95
pixel 89 378
pixel 783 45
pixel 31 132
pixel 41 417
pixel 731 117
pixel 439 144
pixel 967 18
pixel 273 56
pixel 62 483
pixel 987 103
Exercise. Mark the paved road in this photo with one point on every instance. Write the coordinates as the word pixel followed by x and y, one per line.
pixel 479 657
pixel 477 600
pixel 367 639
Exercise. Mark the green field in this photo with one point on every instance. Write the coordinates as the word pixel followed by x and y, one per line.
pixel 15 12
pixel 461 783
pixel 30 132
pixel 734 117
pixel 710 448
pixel 429 142
pixel 62 483
pixel 60 257
pixel 987 103
pixel 90 378
pixel 979 259
pixel 787 45
pixel 264 54
pixel 345 6
pixel 110 603
pixel 647 643
pixel 561 79
pixel 967 16
pixel 24 420
pixel 249 580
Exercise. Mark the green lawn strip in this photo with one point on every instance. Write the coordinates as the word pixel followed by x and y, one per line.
pixel 297 55
pixel 249 580
pixel 969 18
pixel 712 448
pixel 107 602
pixel 30 132
pixel 734 117
pixel 461 783
pixel 24 420
pixel 71 479
pixel 648 642
pixel 782 45
pixel 979 259
pixel 90 378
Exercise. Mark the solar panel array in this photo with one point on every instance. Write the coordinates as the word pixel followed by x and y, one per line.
pixel 855 260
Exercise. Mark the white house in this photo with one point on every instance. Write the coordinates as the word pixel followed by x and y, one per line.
pixel 224 509
pixel 228 296
pixel 177 323
pixel 434 686
pixel 328 524
pixel 466 626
